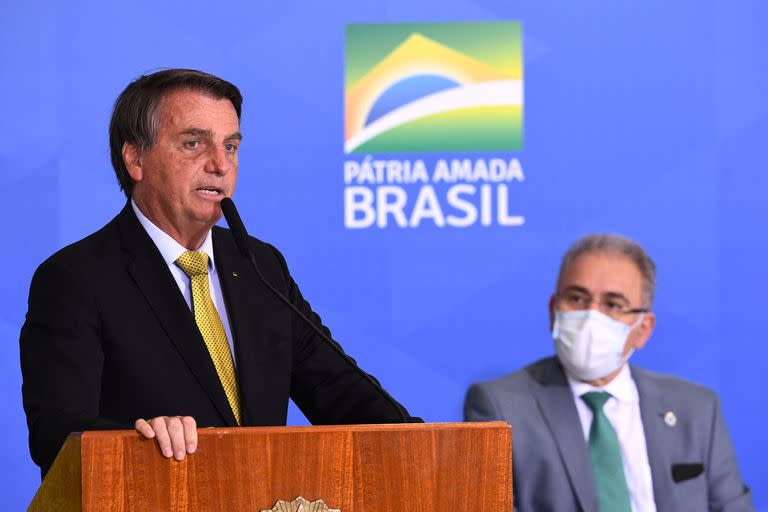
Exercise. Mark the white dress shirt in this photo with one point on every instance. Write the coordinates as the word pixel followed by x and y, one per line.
pixel 623 411
pixel 170 249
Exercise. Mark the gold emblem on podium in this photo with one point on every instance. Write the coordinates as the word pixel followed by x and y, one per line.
pixel 301 505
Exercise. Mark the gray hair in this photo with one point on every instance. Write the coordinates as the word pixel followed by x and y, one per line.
pixel 620 245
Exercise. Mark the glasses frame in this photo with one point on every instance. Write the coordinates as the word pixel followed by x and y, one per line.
pixel 601 306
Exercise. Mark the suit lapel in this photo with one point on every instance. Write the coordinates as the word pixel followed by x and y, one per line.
pixel 245 296
pixel 555 401
pixel 231 268
pixel 653 408
pixel 151 274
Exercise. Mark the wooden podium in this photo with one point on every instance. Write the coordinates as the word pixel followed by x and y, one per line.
pixel 362 468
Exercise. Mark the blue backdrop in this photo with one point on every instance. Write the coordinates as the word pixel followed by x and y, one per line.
pixel 644 118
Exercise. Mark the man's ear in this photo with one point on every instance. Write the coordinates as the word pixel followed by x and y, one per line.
pixel 644 330
pixel 552 300
pixel 132 160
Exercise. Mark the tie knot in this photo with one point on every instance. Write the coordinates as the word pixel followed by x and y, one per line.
pixel 193 263
pixel 596 400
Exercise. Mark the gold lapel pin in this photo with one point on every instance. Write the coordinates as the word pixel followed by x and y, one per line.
pixel 234 274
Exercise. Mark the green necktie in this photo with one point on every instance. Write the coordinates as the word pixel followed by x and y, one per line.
pixel 195 265
pixel 605 452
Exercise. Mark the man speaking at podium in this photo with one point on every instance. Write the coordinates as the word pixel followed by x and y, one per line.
pixel 157 321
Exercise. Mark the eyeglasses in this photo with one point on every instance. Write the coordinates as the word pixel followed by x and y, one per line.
pixel 615 307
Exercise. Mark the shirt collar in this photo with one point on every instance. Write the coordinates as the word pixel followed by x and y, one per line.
pixel 622 387
pixel 169 248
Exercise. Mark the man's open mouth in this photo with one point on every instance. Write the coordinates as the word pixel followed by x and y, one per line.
pixel 209 191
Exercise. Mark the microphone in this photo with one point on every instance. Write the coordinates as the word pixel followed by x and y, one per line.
pixel 237 228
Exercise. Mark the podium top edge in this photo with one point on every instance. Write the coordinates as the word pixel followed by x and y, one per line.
pixel 493 425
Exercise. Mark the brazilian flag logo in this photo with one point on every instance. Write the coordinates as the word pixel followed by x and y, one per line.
pixel 429 87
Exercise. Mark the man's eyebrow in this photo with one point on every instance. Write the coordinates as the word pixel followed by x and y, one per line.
pixel 198 132
pixel 576 288
pixel 616 295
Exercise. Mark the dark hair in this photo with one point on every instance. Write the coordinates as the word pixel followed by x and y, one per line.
pixel 615 244
pixel 135 119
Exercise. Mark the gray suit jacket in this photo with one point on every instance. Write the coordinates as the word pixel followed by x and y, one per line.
pixel 552 469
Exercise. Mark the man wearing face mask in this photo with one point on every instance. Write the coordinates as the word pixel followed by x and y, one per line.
pixel 593 433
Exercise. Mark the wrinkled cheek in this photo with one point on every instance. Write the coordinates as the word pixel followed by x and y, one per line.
pixel 232 182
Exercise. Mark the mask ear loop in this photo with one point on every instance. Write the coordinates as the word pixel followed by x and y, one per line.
pixel 632 328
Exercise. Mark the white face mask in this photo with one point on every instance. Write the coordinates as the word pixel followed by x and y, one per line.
pixel 590 344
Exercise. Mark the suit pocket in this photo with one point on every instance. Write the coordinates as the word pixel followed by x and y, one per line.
pixel 683 472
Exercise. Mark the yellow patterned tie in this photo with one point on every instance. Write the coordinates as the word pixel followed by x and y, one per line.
pixel 195 265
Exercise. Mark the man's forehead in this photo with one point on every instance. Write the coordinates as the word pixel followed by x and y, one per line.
pixel 189 107
pixel 603 272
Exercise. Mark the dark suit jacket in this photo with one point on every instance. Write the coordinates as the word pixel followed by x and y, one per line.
pixel 108 339
pixel 551 464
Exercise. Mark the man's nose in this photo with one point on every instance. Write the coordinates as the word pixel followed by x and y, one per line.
pixel 219 161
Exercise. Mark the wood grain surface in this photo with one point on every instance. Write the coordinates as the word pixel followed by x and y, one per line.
pixel 360 468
